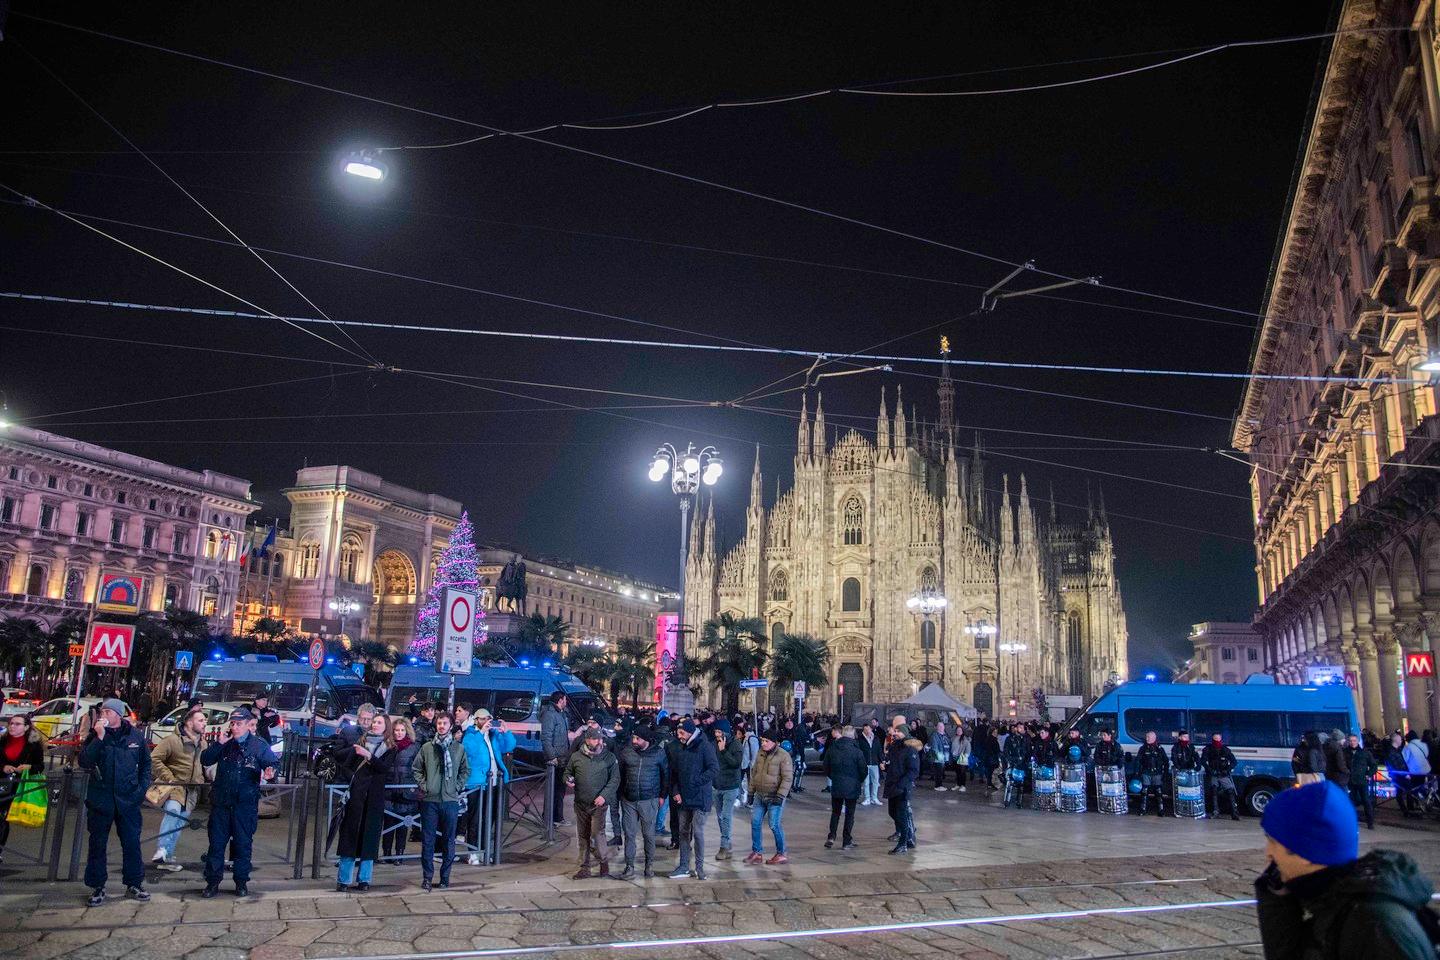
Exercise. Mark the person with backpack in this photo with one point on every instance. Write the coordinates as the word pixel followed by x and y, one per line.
pixel 1319 899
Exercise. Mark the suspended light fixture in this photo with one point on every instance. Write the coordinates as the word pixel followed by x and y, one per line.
pixel 365 164
pixel 1431 364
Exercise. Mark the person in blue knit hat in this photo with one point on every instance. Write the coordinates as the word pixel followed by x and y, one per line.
pixel 1318 898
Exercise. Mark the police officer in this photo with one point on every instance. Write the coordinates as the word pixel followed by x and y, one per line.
pixel 1073 739
pixel 1016 755
pixel 1219 765
pixel 1108 752
pixel 241 762
pixel 1183 755
pixel 1152 765
pixel 1042 749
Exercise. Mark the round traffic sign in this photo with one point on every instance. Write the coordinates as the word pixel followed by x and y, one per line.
pixel 317 654
pixel 460 613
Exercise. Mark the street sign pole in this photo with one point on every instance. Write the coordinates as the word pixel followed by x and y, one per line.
pixel 317 660
pixel 455 646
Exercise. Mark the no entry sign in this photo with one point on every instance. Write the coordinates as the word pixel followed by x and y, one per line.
pixel 457 631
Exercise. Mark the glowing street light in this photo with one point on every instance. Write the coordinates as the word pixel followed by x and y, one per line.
pixel 366 165
pixel 687 472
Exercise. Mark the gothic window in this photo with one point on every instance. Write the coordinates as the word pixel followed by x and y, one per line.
pixel 929 581
pixel 35 583
pixel 777 629
pixel 309 560
pixel 850 595
pixel 74 585
pixel 780 586
pixel 854 521
pixel 212 545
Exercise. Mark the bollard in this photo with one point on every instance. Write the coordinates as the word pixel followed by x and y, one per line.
pixel 549 805
pixel 74 873
pixel 301 805
pixel 57 842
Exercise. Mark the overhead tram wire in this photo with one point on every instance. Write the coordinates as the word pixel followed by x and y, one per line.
pixel 731 348
pixel 29 200
pixel 530 137
pixel 193 199
pixel 1097 304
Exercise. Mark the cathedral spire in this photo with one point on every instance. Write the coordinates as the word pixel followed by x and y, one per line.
pixel 900 439
pixel 757 493
pixel 1053 522
pixel 882 429
pixel 1104 518
pixel 1007 515
pixel 802 442
pixel 947 391
pixel 818 445
pixel 1027 515
pixel 710 524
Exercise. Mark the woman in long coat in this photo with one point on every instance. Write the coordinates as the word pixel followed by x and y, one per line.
pixel 371 765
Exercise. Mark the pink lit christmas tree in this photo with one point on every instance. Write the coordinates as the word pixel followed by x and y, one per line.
pixel 455 568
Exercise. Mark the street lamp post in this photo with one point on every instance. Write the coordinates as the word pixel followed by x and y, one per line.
pixel 1015 649
pixel 343 606
pixel 982 632
pixel 687 471
pixel 927 602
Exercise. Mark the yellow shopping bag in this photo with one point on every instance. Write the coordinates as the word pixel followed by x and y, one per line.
pixel 31 801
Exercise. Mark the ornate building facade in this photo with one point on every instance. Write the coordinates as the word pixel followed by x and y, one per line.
pixel 1344 466
pixel 355 539
pixel 867 524
pixel 70 510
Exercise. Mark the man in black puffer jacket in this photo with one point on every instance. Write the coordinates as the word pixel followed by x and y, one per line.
pixel 847 765
pixel 1318 901
pixel 902 769
pixel 644 772
pixel 118 761
pixel 1152 765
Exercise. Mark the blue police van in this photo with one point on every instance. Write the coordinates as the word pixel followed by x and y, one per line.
pixel 1260 720
pixel 513 695
pixel 338 694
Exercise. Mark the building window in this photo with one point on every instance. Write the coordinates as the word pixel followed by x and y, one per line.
pixel 172 596
pixel 120 497
pixel 74 585
pixel 929 581
pixel 53 482
pixel 7 510
pixel 777 630
pixel 309 560
pixel 850 595
pixel 1415 148
pixel 47 516
pixel 14 473
pixel 854 521
pixel 147 539
pixel 177 542
pixel 350 561
pixel 153 502
pixel 1252 655
pixel 117 530
pixel 35 583
pixel 89 490
pixel 780 586
pixel 4 576
pixel 84 523
pixel 1227 653
pixel 210 602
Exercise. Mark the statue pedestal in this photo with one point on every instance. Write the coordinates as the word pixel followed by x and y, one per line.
pixel 677 699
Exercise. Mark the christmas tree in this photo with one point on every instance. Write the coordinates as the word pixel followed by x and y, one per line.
pixel 455 568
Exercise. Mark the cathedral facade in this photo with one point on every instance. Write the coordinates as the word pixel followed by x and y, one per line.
pixel 867 525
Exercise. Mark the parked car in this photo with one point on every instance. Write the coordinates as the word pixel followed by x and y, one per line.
pixel 56 718
pixel 15 700
pixel 217 715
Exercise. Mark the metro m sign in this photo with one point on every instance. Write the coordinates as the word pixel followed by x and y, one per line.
pixel 1420 665
pixel 109 645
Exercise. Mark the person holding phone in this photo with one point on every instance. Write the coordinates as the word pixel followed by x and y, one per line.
pixel 486 741
pixel 242 761
pixel 118 760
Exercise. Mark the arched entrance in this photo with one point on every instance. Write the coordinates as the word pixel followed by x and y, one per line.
pixel 394 585
pixel 984 699
pixel 851 676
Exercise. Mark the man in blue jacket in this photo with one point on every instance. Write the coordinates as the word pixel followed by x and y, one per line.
pixel 486 742
pixel 692 778
pixel 118 761
pixel 241 760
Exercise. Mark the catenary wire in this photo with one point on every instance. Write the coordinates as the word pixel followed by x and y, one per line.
pixel 831 356
pixel 190 196
pixel 530 137
pixel 186 396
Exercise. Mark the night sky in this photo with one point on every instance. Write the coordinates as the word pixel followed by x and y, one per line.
pixel 1172 181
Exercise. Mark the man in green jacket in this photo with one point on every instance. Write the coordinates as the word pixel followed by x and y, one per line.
pixel 1319 899
pixel 441 769
pixel 595 774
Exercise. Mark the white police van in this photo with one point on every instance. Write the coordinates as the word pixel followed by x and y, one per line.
pixel 1260 720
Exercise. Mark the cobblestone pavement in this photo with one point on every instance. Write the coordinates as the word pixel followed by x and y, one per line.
pixel 985 883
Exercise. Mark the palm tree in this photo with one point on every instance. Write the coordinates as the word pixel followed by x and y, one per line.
pixel 631 669
pixel 159 636
pixel 542 636
pixel 730 648
pixel 269 630
pixel 590 664
pixel 375 655
pixel 22 642
pixel 799 656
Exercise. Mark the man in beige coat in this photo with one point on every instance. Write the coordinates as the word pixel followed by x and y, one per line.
pixel 173 762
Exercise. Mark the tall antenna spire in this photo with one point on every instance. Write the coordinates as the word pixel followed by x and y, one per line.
pixel 946 391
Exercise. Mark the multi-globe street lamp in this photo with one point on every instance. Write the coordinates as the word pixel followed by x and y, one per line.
pixel 687 472
pixel 1015 649
pixel 927 602
pixel 343 606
